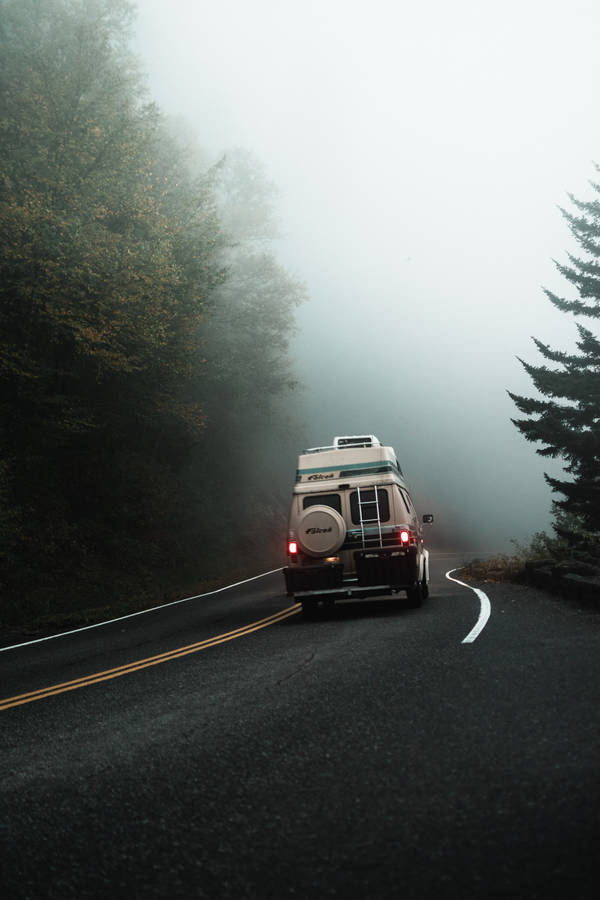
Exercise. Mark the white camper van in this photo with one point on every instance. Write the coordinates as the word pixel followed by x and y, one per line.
pixel 353 529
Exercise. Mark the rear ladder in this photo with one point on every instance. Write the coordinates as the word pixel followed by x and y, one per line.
pixel 362 502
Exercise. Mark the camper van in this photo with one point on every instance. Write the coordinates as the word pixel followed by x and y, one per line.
pixel 353 529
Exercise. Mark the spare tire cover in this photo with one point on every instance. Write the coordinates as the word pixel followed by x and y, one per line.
pixel 321 530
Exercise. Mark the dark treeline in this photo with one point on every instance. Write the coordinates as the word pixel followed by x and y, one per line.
pixel 144 364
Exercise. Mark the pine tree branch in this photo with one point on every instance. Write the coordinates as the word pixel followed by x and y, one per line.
pixel 574 306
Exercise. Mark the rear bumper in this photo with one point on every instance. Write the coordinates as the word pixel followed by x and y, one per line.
pixel 348 590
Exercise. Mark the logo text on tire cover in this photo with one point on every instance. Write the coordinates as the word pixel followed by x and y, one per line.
pixel 318 530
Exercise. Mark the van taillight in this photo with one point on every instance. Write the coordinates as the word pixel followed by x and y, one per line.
pixel 404 537
pixel 292 548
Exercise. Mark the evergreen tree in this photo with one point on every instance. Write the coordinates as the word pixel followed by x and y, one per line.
pixel 566 420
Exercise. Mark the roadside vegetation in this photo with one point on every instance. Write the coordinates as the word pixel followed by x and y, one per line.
pixel 144 329
pixel 543 548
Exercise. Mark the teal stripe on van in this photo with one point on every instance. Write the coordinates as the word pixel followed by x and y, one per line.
pixel 380 464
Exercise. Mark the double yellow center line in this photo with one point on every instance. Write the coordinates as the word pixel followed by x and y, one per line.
pixel 127 669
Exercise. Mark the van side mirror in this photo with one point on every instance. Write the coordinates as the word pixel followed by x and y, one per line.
pixel 428 519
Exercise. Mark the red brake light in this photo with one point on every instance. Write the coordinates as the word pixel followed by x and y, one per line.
pixel 292 548
pixel 404 537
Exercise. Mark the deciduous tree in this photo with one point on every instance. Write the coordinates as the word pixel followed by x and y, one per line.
pixel 144 326
pixel 108 260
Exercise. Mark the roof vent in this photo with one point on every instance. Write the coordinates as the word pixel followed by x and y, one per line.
pixel 355 440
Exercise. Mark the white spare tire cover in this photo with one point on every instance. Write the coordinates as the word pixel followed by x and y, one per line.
pixel 321 530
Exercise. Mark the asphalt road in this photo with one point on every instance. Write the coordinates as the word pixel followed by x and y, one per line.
pixel 368 754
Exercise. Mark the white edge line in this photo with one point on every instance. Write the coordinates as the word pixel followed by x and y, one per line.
pixel 484 611
pixel 141 612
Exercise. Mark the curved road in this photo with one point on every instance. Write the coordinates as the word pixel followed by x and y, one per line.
pixel 224 747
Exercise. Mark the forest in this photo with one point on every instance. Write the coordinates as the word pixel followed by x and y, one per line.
pixel 145 372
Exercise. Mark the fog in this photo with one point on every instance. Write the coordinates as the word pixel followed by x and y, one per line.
pixel 421 153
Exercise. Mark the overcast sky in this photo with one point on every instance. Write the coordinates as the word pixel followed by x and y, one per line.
pixel 421 151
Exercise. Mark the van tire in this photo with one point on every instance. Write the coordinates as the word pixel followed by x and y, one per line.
pixel 414 596
pixel 309 609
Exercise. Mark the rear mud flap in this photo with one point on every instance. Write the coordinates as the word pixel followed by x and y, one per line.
pixel 393 567
pixel 313 578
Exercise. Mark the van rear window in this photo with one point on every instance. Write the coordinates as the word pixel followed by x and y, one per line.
pixel 368 506
pixel 404 499
pixel 333 500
